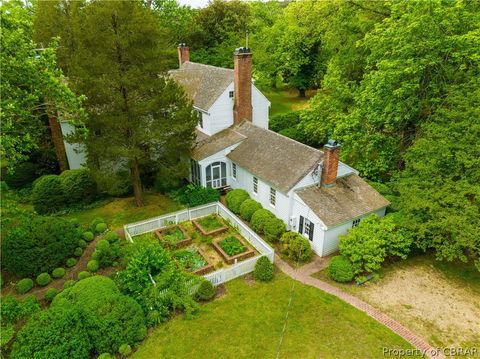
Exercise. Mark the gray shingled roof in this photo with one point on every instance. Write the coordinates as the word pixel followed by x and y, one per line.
pixel 209 145
pixel 276 159
pixel 350 198
pixel 202 83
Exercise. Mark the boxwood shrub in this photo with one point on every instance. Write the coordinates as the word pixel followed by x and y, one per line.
pixel 274 228
pixel 78 252
pixel 69 283
pixel 84 275
pixel 100 228
pixel 71 262
pixel 111 236
pixel 79 185
pixel 248 208
pixel 125 350
pixel 58 272
pixel 24 174
pixel 263 270
pixel 341 269
pixel 82 244
pixel 205 291
pixel 88 236
pixel 191 195
pixel 50 294
pixel 103 245
pixel 93 265
pixel 295 246
pixel 105 356
pixel 48 195
pixel 235 198
pixel 24 285
pixel 43 279
pixel 259 219
pixel 94 223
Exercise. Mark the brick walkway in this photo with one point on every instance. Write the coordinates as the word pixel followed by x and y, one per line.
pixel 302 274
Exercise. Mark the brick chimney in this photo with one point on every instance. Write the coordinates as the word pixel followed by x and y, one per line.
pixel 242 79
pixel 330 163
pixel 183 54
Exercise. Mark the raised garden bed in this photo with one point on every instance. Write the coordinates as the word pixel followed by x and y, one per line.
pixel 174 236
pixel 210 225
pixel 193 261
pixel 232 248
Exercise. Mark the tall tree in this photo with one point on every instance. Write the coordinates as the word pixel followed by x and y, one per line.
pixel 137 115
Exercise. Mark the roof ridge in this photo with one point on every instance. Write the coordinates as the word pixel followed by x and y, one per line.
pixel 206 65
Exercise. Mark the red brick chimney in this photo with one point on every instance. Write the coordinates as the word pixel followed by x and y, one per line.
pixel 242 79
pixel 330 163
pixel 183 54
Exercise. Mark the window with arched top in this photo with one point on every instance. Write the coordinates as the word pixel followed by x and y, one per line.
pixel 216 174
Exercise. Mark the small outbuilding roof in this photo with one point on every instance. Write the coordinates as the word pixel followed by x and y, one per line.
pixel 276 159
pixel 206 146
pixel 352 197
pixel 202 83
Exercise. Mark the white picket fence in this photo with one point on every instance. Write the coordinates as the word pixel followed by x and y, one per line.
pixel 222 275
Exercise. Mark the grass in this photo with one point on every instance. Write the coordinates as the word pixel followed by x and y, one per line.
pixel 121 211
pixel 210 222
pixel 248 321
pixel 286 100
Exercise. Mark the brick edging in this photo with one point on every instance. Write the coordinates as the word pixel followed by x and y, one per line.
pixel 376 314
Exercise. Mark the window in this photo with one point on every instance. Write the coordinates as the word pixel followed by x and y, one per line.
pixel 200 120
pixel 356 222
pixel 273 196
pixel 306 227
pixel 255 185
pixel 216 175
pixel 230 94
pixel 234 171
pixel 195 171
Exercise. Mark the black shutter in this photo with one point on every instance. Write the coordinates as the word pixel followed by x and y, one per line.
pixel 300 226
pixel 310 235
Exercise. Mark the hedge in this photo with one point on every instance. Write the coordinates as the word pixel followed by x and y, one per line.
pixel 235 198
pixel 192 195
pixel 263 270
pixel 295 246
pixel 248 208
pixel 38 245
pixel 24 285
pixel 43 279
pixel 79 186
pixel 274 228
pixel 24 174
pixel 259 219
pixel 205 291
pixel 48 195
pixel 341 269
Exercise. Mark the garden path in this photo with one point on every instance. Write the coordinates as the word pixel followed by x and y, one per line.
pixel 303 275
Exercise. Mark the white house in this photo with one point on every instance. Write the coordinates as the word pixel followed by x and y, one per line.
pixel 310 190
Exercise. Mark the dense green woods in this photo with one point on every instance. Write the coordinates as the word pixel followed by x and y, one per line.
pixel 397 85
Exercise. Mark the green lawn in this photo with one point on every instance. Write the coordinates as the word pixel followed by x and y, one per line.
pixel 121 211
pixel 247 322
pixel 285 100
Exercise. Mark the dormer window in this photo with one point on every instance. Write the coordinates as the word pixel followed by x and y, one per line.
pixel 230 94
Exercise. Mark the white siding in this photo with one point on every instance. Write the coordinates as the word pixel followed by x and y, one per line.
pixel 261 107
pixel 219 156
pixel 76 153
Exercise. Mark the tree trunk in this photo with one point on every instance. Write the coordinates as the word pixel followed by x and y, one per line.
pixel 301 92
pixel 136 183
pixel 57 139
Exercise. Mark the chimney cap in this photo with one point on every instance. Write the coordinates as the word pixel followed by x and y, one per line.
pixel 332 144
pixel 242 50
pixel 182 44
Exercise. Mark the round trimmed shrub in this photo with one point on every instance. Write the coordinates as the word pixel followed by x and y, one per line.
pixel 235 198
pixel 100 228
pixel 58 272
pixel 248 208
pixel 125 350
pixel 69 283
pixel 263 270
pixel 48 195
pixel 43 279
pixel 93 265
pixel 38 245
pixel 103 245
pixel 104 356
pixel 94 223
pixel 96 255
pixel 205 291
pixel 75 222
pixel 50 294
pixel 79 185
pixel 82 244
pixel 84 275
pixel 111 237
pixel 259 219
pixel 295 246
pixel 274 228
pixel 78 252
pixel 341 269
pixel 24 285
pixel 88 236
pixel 71 262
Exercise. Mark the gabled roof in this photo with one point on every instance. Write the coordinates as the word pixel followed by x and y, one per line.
pixel 206 146
pixel 202 83
pixel 352 197
pixel 276 159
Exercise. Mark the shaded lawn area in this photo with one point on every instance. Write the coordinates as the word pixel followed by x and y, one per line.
pixel 286 100
pixel 121 211
pixel 247 323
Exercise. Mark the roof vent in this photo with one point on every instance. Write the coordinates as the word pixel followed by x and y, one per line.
pixel 332 144
pixel 242 50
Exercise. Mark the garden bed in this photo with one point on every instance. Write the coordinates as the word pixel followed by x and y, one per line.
pixel 210 225
pixel 193 260
pixel 232 248
pixel 174 236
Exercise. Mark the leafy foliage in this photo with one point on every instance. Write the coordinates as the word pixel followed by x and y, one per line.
pixel 274 228
pixel 232 246
pixel 24 285
pixel 205 291
pixel 48 194
pixel 43 279
pixel 210 222
pixel 190 259
pixel 50 294
pixel 295 246
pixel 248 208
pixel 192 195
pixel 263 270
pixel 58 272
pixel 340 269
pixel 235 198
pixel 259 218
pixel 78 185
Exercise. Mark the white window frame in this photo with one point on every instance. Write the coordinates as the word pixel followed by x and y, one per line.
pixel 273 197
pixel 231 94
pixel 306 226
pixel 356 222
pixel 234 171
pixel 255 185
